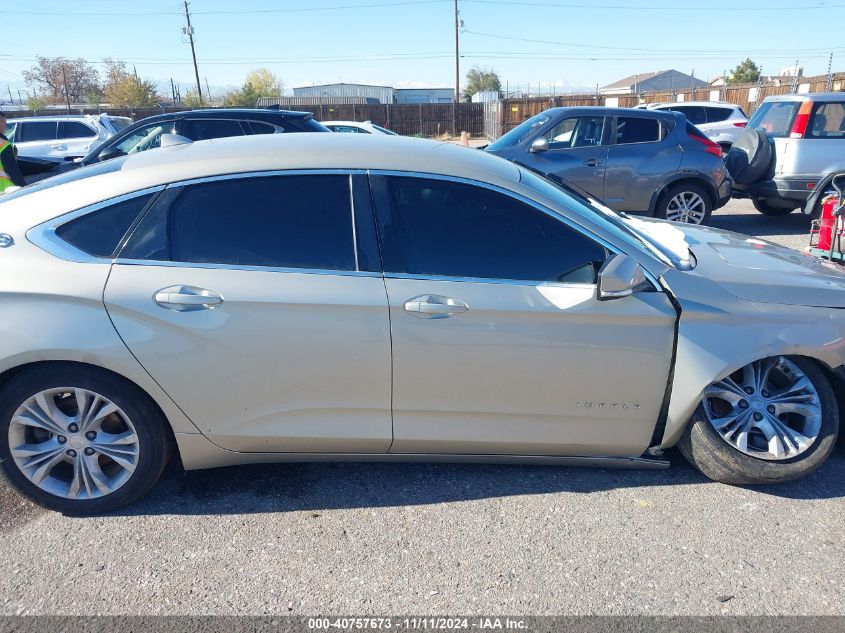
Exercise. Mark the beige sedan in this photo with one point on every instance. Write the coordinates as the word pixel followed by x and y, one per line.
pixel 343 297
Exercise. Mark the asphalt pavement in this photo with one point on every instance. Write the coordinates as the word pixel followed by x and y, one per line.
pixel 393 539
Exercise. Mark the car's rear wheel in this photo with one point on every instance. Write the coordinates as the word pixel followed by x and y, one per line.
pixel 80 440
pixel 774 420
pixel 771 209
pixel 687 203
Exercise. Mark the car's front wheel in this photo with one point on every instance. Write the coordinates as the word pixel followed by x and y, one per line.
pixel 774 420
pixel 80 440
pixel 687 203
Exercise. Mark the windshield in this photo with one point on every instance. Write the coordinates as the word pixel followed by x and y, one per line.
pixel 519 133
pixel 775 117
pixel 632 228
pixel 76 174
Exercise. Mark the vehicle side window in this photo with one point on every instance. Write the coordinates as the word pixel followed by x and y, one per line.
pixel 717 115
pixel 347 129
pixel 274 221
pixel 75 129
pixel 827 120
pixel 203 129
pixel 144 138
pixel 695 114
pixel 637 130
pixel 100 232
pixel 255 127
pixel 584 131
pixel 444 228
pixel 36 131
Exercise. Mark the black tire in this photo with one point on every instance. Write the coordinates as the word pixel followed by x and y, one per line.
pixel 705 449
pixel 750 157
pixel 684 187
pixel 772 210
pixel 154 440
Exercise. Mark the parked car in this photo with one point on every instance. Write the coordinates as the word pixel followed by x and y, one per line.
pixel 806 139
pixel 390 299
pixel 721 122
pixel 199 125
pixel 44 142
pixel 641 161
pixel 354 127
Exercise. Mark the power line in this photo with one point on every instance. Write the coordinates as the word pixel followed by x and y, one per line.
pixel 640 7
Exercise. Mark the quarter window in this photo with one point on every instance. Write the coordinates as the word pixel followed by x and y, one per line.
pixel 717 115
pixel 637 130
pixel 274 221
pixel 451 229
pixel 100 232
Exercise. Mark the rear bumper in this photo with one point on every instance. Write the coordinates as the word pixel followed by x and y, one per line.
pixel 796 188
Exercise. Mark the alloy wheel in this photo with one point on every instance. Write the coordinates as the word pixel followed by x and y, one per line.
pixel 688 207
pixel 769 409
pixel 73 443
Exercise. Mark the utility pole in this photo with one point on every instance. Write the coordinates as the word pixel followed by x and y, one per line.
pixel 207 89
pixel 189 31
pixel 11 98
pixel 457 56
pixel 64 82
pixel 828 85
pixel 795 78
pixel 173 91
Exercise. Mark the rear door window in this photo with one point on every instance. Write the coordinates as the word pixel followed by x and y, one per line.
pixel 203 129
pixel 75 129
pixel 717 115
pixel 637 130
pixel 36 131
pixel 775 117
pixel 827 120
pixel 695 114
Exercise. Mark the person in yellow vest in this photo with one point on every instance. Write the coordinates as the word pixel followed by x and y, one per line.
pixel 10 171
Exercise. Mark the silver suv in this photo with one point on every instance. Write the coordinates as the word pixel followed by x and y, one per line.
pixel 807 135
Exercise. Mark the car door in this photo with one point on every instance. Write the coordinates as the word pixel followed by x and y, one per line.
pixel 74 139
pixel 36 139
pixel 642 155
pixel 257 303
pixel 576 154
pixel 500 345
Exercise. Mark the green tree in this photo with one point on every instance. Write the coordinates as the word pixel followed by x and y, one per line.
pixel 125 89
pixel 36 102
pixel 481 79
pixel 745 72
pixel 59 78
pixel 258 83
pixel 192 99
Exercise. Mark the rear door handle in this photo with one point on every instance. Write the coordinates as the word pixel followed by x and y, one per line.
pixel 187 298
pixel 592 162
pixel 434 307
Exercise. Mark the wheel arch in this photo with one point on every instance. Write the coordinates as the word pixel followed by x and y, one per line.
pixel 691 178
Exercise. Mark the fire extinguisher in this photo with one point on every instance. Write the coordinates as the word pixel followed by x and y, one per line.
pixel 828 221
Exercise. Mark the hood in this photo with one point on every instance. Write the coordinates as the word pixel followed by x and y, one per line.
pixel 760 271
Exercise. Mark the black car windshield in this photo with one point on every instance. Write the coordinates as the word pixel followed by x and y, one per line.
pixel 573 199
pixel 519 133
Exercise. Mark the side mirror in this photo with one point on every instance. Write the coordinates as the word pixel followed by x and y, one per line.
pixel 621 276
pixel 108 153
pixel 539 145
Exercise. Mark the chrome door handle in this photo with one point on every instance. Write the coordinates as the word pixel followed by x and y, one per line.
pixel 592 162
pixel 187 298
pixel 434 307
pixel 61 148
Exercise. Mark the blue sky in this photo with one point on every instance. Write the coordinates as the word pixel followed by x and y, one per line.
pixel 565 43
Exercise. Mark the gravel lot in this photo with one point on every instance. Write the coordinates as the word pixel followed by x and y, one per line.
pixel 442 539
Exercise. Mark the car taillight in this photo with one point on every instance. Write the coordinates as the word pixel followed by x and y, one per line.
pixel 709 146
pixel 799 125
pixel 741 124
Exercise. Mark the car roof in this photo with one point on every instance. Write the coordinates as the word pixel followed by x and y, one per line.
pixel 62 117
pixel 361 123
pixel 257 114
pixel 603 110
pixel 718 104
pixel 815 96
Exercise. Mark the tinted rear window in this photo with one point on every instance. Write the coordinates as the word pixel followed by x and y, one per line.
pixel 203 129
pixel 99 233
pixel 775 117
pixel 717 115
pixel 36 131
pixel 75 129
